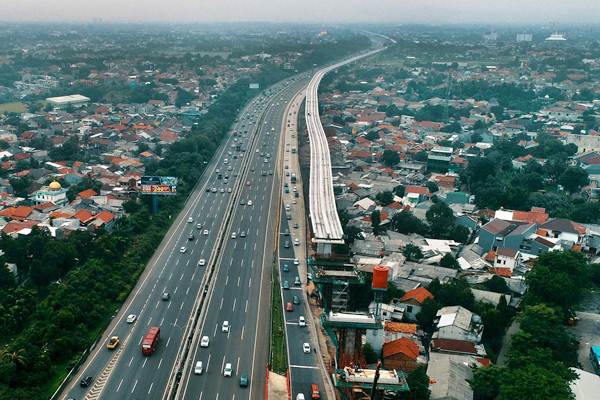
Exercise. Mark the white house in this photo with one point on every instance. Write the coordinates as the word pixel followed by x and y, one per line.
pixel 458 323
pixel 507 258
pixel 564 230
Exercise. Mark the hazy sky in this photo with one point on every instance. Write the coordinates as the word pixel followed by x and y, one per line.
pixel 434 11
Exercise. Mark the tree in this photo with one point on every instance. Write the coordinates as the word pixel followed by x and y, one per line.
pixel 369 354
pixel 459 233
pixel 440 218
pixel 573 179
pixel 418 382
pixel 422 156
pixel 534 382
pixel 453 127
pixel 412 252
pixel 486 382
pixel 390 158
pixel 478 171
pixel 448 261
pixel 405 222
pixel 497 284
pixel 375 221
pixel 432 186
pixel 385 198
pixel 399 191
pixel 558 279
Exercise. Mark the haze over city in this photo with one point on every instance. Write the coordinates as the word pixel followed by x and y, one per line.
pixel 405 11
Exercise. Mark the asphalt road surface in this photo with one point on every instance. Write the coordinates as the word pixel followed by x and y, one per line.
pixel 303 367
pixel 126 373
pixel 241 292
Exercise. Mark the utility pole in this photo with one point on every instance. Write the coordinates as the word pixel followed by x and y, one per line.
pixel 374 388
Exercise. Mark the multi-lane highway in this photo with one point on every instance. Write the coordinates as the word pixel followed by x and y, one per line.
pixel 241 294
pixel 125 373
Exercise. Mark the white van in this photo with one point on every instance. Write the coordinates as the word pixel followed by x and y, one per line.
pixel 300 396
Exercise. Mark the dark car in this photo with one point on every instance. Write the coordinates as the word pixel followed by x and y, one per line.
pixel 87 381
pixel 244 380
pixel 296 300
pixel 286 244
pixel 286 268
pixel 289 306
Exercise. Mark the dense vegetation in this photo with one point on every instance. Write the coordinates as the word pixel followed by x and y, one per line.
pixel 543 350
pixel 556 185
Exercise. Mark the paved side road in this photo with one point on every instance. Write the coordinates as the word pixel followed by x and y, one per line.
pixel 587 331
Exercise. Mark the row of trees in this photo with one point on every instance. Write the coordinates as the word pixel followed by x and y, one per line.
pixel 542 351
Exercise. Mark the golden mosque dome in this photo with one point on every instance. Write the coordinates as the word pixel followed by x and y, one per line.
pixel 54 186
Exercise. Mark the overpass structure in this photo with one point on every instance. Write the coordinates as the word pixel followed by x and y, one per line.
pixel 325 222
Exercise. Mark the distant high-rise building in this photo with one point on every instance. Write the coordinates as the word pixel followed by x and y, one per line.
pixel 556 37
pixel 491 37
pixel 524 37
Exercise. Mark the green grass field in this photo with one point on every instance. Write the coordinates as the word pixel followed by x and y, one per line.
pixel 278 348
pixel 17 107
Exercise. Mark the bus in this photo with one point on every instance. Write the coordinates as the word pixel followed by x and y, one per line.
pixel 150 340
pixel 595 358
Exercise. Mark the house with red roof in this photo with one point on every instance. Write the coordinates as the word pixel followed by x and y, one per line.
pixel 84 216
pixel 88 193
pixel 401 354
pixel 413 301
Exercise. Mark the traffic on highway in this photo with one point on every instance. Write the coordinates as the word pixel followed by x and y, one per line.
pixel 150 327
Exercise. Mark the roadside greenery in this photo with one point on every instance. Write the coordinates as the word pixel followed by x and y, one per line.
pixel 278 352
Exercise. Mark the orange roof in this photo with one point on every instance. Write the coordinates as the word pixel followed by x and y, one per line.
pixel 531 216
pixel 404 346
pixel 105 216
pixel 501 271
pixel 83 216
pixel 400 327
pixel 86 194
pixel 419 294
pixel 60 214
pixel 20 212
pixel 418 189
pixel 15 226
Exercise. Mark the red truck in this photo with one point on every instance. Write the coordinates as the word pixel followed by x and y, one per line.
pixel 150 340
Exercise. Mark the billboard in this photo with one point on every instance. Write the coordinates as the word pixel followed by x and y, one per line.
pixel 164 185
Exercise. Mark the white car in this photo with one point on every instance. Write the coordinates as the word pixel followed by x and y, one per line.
pixel 306 348
pixel 182 250
pixel 190 220
pixel 131 318
pixel 296 262
pixel 301 321
pixel 201 262
pixel 233 235
pixel 205 232
pixel 249 202
pixel 296 242
pixel 198 368
pixel 204 341
pixel 225 327
pixel 227 371
pixel 199 226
